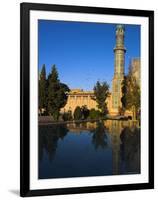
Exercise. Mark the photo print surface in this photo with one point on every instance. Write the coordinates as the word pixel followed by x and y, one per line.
pixel 89 92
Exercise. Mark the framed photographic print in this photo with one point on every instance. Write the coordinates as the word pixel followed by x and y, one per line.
pixel 87 99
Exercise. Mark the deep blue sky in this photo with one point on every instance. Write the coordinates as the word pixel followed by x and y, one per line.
pixel 83 52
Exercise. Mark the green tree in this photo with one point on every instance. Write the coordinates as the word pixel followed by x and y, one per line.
pixel 101 92
pixel 94 114
pixel 78 113
pixel 57 94
pixel 42 94
pixel 67 116
pixel 123 98
pixel 131 95
pixel 85 111
pixel 63 94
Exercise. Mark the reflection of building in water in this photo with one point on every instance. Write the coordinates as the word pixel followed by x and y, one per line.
pixel 120 137
pixel 115 129
pixel 79 127
pixel 78 97
pixel 111 125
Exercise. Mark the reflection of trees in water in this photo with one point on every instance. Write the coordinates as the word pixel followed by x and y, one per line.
pixel 130 149
pixel 125 142
pixel 48 139
pixel 99 138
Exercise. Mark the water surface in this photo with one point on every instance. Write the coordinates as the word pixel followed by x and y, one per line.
pixel 89 149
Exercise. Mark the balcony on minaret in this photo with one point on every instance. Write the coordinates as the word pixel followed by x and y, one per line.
pixel 120 48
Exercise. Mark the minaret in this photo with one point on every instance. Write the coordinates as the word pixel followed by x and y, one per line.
pixel 119 51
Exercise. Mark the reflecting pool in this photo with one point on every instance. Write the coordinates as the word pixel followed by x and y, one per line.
pixel 110 147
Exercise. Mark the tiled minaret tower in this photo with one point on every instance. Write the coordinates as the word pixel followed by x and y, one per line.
pixel 119 51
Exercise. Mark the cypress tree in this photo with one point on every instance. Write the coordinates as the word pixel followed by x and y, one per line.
pixel 53 88
pixel 42 90
pixel 57 94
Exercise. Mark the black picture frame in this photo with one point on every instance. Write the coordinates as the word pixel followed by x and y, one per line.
pixel 25 9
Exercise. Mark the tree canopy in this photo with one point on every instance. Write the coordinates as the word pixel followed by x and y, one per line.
pixel 101 92
pixel 130 94
pixel 52 93
pixel 57 93
pixel 42 92
pixel 78 113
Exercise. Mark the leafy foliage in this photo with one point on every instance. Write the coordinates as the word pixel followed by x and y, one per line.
pixel 130 94
pixel 67 116
pixel 85 112
pixel 94 114
pixel 78 113
pixel 57 94
pixel 101 92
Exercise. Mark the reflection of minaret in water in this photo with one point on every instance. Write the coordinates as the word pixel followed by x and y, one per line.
pixel 119 51
pixel 115 139
pixel 115 128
